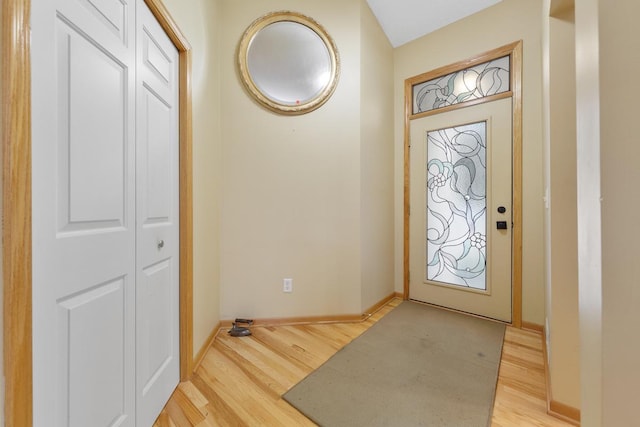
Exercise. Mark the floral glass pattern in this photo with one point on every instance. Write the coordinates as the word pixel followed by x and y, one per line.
pixel 456 205
pixel 479 81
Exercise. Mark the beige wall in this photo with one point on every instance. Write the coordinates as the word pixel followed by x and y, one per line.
pixel 486 30
pixel 620 203
pixel 562 288
pixel 199 21
pixel 590 259
pixel 293 199
pixel 608 200
pixel 376 153
pixel 291 184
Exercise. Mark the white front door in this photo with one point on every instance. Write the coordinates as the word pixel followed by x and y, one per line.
pixel 157 277
pixel 98 286
pixel 461 209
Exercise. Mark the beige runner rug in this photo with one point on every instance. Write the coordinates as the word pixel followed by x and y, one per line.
pixel 417 366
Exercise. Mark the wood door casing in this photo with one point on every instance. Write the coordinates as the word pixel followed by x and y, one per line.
pixel 16 140
pixel 515 51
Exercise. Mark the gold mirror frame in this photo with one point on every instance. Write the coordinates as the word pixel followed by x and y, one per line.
pixel 265 99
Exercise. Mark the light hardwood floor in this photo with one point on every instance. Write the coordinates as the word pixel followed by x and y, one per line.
pixel 240 380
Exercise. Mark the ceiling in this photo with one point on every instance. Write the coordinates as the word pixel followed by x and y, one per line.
pixel 407 20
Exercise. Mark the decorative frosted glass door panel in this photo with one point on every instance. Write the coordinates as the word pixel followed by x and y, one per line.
pixel 456 205
pixel 460 222
pixel 477 82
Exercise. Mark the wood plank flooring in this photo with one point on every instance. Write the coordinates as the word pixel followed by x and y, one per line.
pixel 240 380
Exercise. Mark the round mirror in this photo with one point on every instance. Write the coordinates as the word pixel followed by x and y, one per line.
pixel 288 62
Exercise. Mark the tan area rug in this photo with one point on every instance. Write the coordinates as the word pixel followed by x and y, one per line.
pixel 417 366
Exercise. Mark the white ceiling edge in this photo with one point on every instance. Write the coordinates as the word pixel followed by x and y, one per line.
pixel 406 20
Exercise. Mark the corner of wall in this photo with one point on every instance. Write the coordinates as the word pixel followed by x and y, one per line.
pixel 200 21
pixel 561 234
pixel 587 37
pixel 376 154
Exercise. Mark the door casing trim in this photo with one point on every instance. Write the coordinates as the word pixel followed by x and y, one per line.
pixel 16 204
pixel 515 51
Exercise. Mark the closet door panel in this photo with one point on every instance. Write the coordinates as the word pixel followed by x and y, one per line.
pixel 157 287
pixel 112 14
pixel 158 141
pixel 92 118
pixel 83 218
pixel 93 324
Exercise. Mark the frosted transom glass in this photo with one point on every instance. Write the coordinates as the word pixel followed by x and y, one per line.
pixel 479 81
pixel 456 206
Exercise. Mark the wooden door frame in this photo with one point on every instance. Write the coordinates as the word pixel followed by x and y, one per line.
pixel 515 93
pixel 16 199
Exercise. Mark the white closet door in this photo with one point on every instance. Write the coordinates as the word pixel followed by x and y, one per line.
pixel 157 288
pixel 83 93
pixel 105 214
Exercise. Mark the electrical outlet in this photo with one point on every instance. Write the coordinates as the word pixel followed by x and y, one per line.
pixel 287 285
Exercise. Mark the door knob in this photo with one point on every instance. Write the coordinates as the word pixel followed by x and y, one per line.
pixel 502 209
pixel 501 225
pixel 160 244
